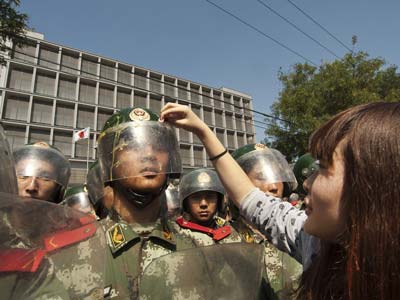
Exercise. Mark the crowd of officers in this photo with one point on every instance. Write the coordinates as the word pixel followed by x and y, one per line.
pixel 142 210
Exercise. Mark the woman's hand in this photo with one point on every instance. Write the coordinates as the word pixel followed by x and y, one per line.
pixel 183 117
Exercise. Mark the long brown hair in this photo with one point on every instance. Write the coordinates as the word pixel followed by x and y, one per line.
pixel 365 261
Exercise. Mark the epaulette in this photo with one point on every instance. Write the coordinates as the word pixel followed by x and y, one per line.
pixel 28 260
pixel 217 234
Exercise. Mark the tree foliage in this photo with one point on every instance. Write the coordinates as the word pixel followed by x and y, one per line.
pixel 12 25
pixel 310 96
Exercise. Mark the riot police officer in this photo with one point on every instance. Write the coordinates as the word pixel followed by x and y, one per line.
pixel 138 156
pixel 42 172
pixel 201 195
pixel 304 167
pixel 270 172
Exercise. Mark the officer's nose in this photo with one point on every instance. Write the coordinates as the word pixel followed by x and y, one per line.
pixel 203 203
pixel 32 186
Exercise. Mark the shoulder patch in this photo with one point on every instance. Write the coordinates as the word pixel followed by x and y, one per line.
pixel 116 236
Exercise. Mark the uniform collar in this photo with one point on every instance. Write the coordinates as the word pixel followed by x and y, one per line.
pixel 120 235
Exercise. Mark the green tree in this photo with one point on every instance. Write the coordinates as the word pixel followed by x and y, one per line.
pixel 310 96
pixel 12 26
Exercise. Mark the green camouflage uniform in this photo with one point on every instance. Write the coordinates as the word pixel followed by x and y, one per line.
pixel 282 270
pixel 131 247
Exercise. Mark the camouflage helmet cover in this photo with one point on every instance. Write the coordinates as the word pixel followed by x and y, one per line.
pixel 304 167
pixel 77 195
pixel 137 129
pixel 197 181
pixel 270 164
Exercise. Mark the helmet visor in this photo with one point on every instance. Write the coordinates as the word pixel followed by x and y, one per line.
pixel 268 166
pixel 46 163
pixel 139 149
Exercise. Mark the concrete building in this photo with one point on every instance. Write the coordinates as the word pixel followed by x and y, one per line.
pixel 47 91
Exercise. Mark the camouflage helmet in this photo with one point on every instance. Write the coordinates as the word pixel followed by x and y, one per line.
pixel 77 197
pixel 200 180
pixel 304 167
pixel 272 165
pixel 137 128
pixel 8 179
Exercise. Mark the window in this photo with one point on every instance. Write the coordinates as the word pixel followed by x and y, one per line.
pixel 155 83
pixel 231 139
pixel 124 75
pixel 67 88
pixel 185 155
pixel 20 79
pixel 123 98
pixel 206 97
pixel 15 136
pixel 63 141
pixel 196 110
pixel 140 101
pixel 25 52
pixel 236 102
pixel 182 90
pixel 250 139
pixel 89 68
pixel 48 58
pixel 42 111
pixel 198 156
pixel 107 71
pixel 16 108
pixel 102 117
pixel 229 121
pixel 69 63
pixel 106 95
pixel 220 136
pixel 207 116
pixel 227 99
pixel 246 105
pixel 39 135
pixel 45 84
pixel 249 126
pixel 239 122
pixel 85 117
pixel 194 93
pixel 169 88
pixel 140 79
pixel 241 140
pixel 217 99
pixel 64 115
pixel 87 92
pixel 155 104
pixel 219 121
pixel 184 136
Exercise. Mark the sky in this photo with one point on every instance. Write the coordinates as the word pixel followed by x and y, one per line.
pixel 193 39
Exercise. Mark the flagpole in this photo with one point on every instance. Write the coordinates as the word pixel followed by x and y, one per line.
pixel 88 150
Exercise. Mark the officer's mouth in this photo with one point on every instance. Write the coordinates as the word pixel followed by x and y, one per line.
pixel 204 214
pixel 149 172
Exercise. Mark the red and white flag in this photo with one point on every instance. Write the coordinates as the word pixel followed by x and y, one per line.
pixel 81 134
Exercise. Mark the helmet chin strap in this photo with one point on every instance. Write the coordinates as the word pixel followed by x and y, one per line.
pixel 142 200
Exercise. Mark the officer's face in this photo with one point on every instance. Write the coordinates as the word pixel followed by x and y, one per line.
pixel 202 206
pixel 34 186
pixel 260 179
pixel 142 170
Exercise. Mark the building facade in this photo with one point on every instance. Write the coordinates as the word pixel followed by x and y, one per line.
pixel 47 91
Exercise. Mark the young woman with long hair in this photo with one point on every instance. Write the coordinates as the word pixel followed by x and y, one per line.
pixel 349 237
